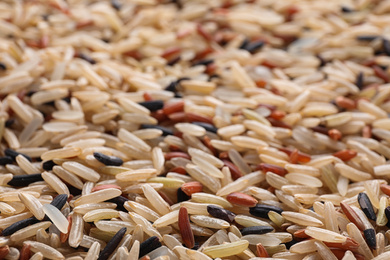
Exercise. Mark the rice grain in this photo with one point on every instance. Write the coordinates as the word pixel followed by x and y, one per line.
pixel 33 204
pixel 45 250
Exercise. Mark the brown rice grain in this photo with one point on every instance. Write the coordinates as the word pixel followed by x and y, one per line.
pixel 81 171
pixel 209 222
pixel 47 251
pixel 146 212
pixel 226 249
pixel 302 219
pixel 130 138
pixel 76 230
pixel 156 200
pixel 325 235
pixel 167 219
pixel 93 251
pixel 85 208
pixel 133 175
pixel 33 204
pixel 98 196
pixel 304 180
pixel 147 227
pixel 207 167
pixel 37 256
pixel 29 231
pixel 352 173
pixel 55 183
pixel 158 159
pixel 67 176
pixel 324 251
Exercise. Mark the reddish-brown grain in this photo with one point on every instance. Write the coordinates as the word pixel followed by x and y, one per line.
pixel 234 171
pixel 185 228
pixel 261 251
pixel 4 251
pixel 105 186
pixel 25 252
pixel 335 134
pixel 173 107
pixel 190 188
pixel 171 155
pixel 267 167
pixel 64 237
pixel 345 155
pixel 241 199
pixel 352 216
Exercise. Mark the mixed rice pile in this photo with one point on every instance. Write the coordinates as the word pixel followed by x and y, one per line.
pixel 194 129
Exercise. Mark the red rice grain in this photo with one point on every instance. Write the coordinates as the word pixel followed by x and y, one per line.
pixel 185 228
pixel 232 127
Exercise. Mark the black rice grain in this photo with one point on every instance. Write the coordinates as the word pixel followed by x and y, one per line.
pixel 196 246
pixel 208 127
pixel 50 103
pixel 181 196
pixel 366 38
pixel 366 206
pixel 12 153
pixel 379 52
pixel 73 190
pixel 112 244
pixel 322 61
pixel 165 130
pixel 86 58
pixel 67 99
pixel 45 17
pixel 181 79
pixel 3 66
pixel 386 46
pixel 152 105
pixel 19 225
pixel 262 210
pixel 387 213
pixel 108 159
pixel 25 180
pixel 30 93
pixel 171 87
pixel 116 5
pixel 256 230
pixel 119 201
pixel 9 122
pixel 360 80
pixel 204 62
pixel 244 43
pixel 177 3
pixel 174 84
pixel 48 165
pixel 6 160
pixel 254 46
pixel 370 236
pixel 290 244
pixel 149 245
pixel 59 201
pixel 221 213
pixel 346 9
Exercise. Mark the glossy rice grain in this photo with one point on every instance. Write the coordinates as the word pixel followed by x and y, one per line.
pixel 194 129
pixel 185 228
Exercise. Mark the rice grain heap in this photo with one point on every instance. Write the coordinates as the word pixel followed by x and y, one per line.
pixel 158 129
